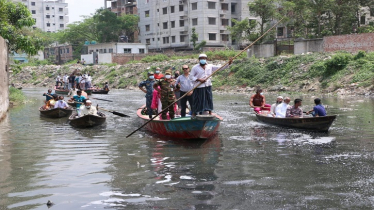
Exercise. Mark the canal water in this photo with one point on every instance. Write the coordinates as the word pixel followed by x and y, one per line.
pixel 248 165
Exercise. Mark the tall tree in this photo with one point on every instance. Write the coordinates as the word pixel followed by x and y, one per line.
pixel 108 25
pixel 265 9
pixel 130 25
pixel 243 30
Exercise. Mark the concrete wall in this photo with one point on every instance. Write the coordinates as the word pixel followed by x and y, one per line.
pixel 124 58
pixel 4 82
pixel 310 45
pixel 262 51
pixel 89 59
pixel 105 58
pixel 351 43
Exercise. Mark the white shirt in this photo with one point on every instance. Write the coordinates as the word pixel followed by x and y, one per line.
pixel 84 111
pixel 61 104
pixel 58 78
pixel 185 82
pixel 88 79
pixel 198 72
pixel 281 109
pixel 66 78
pixel 72 92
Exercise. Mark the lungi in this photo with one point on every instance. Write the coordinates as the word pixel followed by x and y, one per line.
pixel 202 100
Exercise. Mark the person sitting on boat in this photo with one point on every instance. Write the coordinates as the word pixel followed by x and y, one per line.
pixel 106 86
pixel 84 93
pixel 51 103
pixel 295 110
pixel 281 109
pixel 158 74
pixel 148 84
pixel 186 85
pixel 58 78
pixel 61 103
pixel 87 109
pixel 318 110
pixel 48 96
pixel 78 99
pixel 257 102
pixel 273 106
pixel 167 87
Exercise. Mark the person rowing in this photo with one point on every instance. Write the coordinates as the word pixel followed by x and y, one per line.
pixel 78 99
pixel 318 110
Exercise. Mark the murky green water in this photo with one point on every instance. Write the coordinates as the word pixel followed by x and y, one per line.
pixel 248 165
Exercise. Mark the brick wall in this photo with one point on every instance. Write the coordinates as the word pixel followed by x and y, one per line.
pixel 351 43
pixel 124 58
pixel 4 82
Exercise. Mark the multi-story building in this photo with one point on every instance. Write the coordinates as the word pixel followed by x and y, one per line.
pixel 168 23
pixel 49 15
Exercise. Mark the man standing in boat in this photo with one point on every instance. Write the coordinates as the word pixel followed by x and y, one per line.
pixel 202 96
pixel 148 84
pixel 186 85
pixel 167 87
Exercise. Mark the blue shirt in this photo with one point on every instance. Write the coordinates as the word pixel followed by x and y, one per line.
pixel 319 110
pixel 79 99
pixel 148 86
pixel 185 82
pixel 48 96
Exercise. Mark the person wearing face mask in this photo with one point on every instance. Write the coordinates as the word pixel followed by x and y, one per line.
pixel 202 95
pixel 148 84
pixel 166 88
pixel 87 109
pixel 257 102
pixel 61 103
pixel 158 74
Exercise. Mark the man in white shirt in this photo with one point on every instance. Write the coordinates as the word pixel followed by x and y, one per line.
pixel 281 109
pixel 61 103
pixel 88 81
pixel 66 81
pixel 202 96
pixel 87 109
pixel 273 106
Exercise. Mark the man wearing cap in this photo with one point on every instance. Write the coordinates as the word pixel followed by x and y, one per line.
pixel 158 74
pixel 186 86
pixel 148 84
pixel 87 109
pixel 273 106
pixel 202 96
pixel 167 87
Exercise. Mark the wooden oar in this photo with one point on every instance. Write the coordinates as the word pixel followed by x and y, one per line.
pixel 102 99
pixel 227 63
pixel 114 112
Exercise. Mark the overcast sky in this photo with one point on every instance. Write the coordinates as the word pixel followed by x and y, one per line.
pixel 77 8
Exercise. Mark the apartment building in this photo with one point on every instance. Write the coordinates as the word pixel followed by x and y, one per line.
pixel 49 15
pixel 168 23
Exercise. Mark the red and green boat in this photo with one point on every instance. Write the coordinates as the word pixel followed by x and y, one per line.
pixel 203 127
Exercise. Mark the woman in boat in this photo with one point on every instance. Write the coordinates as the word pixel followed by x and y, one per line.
pixel 257 102
pixel 51 103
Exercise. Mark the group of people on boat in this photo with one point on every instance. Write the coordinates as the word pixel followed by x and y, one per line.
pixel 54 101
pixel 195 87
pixel 281 107
pixel 78 81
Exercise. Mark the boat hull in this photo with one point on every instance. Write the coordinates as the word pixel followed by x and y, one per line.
pixel 87 121
pixel 61 91
pixel 184 127
pixel 309 123
pixel 56 113
pixel 100 91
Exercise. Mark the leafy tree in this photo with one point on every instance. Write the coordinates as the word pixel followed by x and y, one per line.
pixel 108 25
pixel 243 30
pixel 265 9
pixel 13 18
pixel 130 25
pixel 194 38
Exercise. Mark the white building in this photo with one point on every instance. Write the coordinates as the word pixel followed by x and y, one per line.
pixel 49 15
pixel 169 23
pixel 117 47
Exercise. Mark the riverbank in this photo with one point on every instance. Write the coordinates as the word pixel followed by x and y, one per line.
pixel 16 96
pixel 338 73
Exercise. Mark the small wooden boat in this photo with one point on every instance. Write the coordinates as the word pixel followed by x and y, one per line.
pixel 61 91
pixel 56 113
pixel 87 120
pixel 306 122
pixel 203 127
pixel 100 91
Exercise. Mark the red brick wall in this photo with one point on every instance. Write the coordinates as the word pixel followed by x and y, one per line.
pixel 124 58
pixel 351 43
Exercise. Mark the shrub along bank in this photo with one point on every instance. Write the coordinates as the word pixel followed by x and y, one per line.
pixel 16 96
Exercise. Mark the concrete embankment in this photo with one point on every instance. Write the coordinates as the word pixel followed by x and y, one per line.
pixel 4 93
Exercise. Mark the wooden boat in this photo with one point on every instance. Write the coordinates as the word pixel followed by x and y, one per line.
pixel 100 91
pixel 61 91
pixel 203 127
pixel 56 113
pixel 87 120
pixel 306 122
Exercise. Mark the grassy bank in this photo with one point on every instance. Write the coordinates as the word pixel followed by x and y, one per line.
pixel 16 96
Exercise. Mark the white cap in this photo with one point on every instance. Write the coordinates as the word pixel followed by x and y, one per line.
pixel 158 68
pixel 202 55
pixel 88 101
pixel 280 97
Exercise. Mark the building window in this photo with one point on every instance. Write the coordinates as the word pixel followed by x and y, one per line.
pixel 53 8
pixel 372 12
pixel 181 8
pixel 101 51
pixel 47 8
pixel 280 31
pixel 126 50
pixel 47 16
pixel 181 23
pixel 104 50
pixel 224 6
pixel 48 24
pixel 141 50
pixel 165 40
pixel 225 22
pixel 363 20
pixel 233 23
pixel 61 17
pixel 60 9
pixel 32 3
pixel 165 25
pixel 35 20
pixel 146 13
pixel 181 38
pixel 212 37
pixel 225 37
pixel 194 22
pixel 211 5
pixel 172 9
pixel 110 50
pixel 33 12
pixel 147 27
pixel 148 41
pixel 61 25
pixel 212 21
pixel 165 10
pixel 194 6
pixel 173 39
pixel 172 24
pixel 233 6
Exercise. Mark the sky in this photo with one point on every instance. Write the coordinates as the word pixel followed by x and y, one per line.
pixel 77 8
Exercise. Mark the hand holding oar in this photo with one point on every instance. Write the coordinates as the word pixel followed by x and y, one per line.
pixel 114 112
pixel 102 99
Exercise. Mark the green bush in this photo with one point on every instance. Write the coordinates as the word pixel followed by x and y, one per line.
pixel 16 96
pixel 338 62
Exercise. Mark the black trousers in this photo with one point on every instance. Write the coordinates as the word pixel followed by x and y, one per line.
pixel 184 103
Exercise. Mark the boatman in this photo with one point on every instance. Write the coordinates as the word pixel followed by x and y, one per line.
pixel 166 88
pixel 202 95
pixel 48 96
pixel 78 99
pixel 318 110
pixel 148 84
pixel 88 109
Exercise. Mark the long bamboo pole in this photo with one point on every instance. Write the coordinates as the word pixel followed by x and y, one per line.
pixel 227 63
